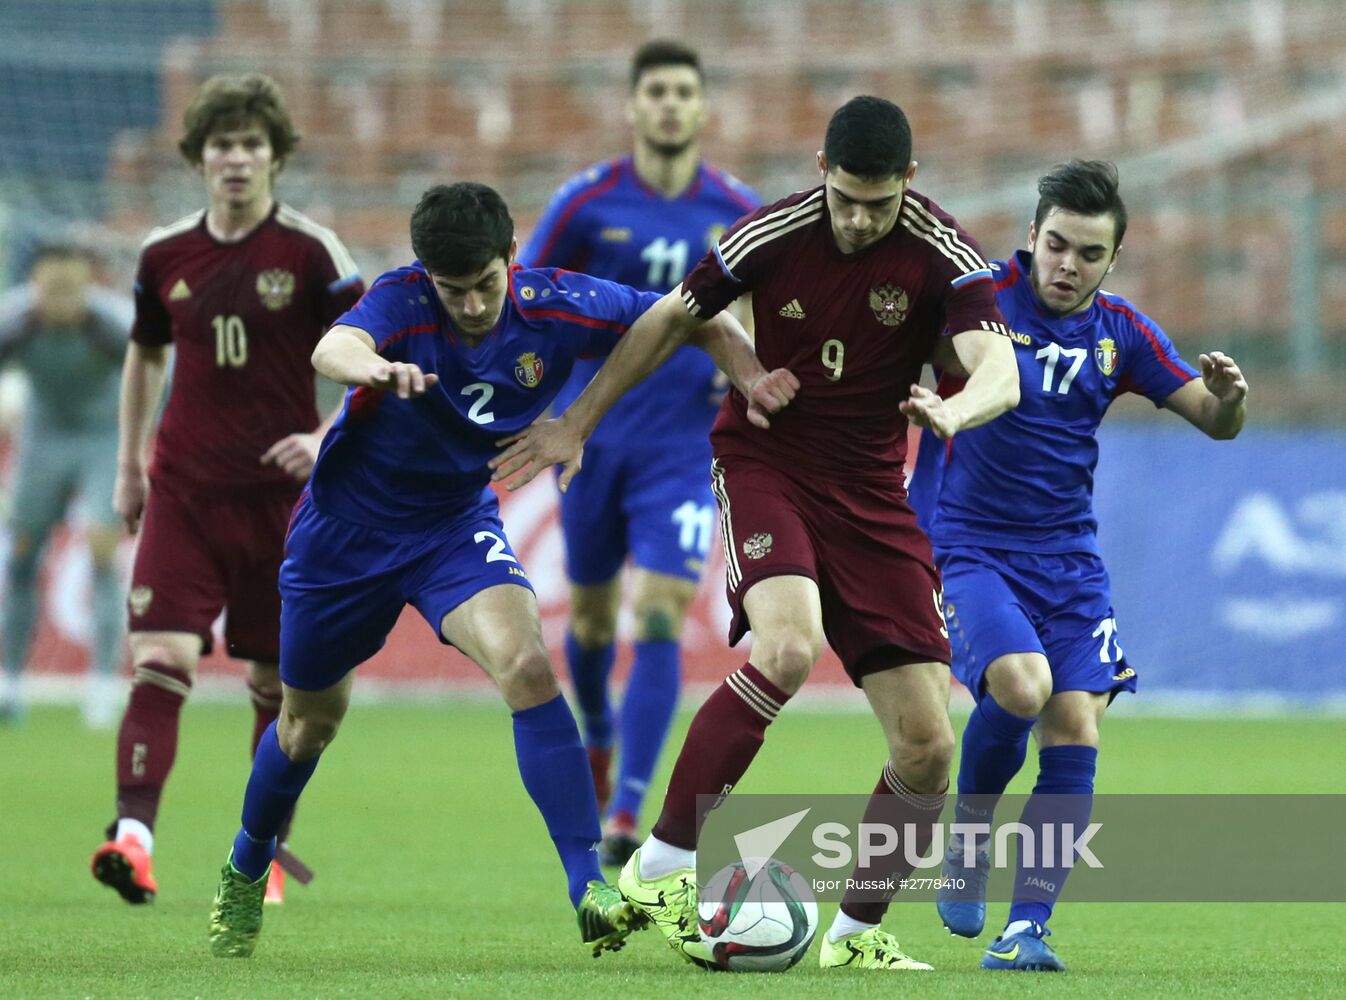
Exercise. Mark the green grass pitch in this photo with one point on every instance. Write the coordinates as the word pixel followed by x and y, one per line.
pixel 435 878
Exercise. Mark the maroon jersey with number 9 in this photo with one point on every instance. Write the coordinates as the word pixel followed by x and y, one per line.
pixel 854 328
pixel 243 319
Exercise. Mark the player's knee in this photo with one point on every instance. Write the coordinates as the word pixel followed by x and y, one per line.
pixel 658 623
pixel 176 655
pixel 787 660
pixel 592 631
pixel 1020 685
pixel 924 754
pixel 526 679
pixel 303 737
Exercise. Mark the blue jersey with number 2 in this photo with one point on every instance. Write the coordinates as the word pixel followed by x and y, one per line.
pixel 408 464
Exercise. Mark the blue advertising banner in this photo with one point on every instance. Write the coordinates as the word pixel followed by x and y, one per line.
pixel 1228 559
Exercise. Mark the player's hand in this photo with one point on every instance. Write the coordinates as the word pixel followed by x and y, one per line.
pixel 1223 378
pixel 296 454
pixel 545 443
pixel 770 394
pixel 400 377
pixel 128 497
pixel 926 409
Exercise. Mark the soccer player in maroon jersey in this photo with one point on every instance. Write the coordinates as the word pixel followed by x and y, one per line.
pixel 242 290
pixel 855 285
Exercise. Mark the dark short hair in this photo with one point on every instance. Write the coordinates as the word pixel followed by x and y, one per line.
pixel 1086 187
pixel 662 52
pixel 868 137
pixel 460 228
pixel 225 103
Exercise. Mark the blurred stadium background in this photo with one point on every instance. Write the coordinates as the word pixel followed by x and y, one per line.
pixel 1227 117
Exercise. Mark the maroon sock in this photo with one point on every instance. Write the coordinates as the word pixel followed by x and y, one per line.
pixel 913 816
pixel 725 736
pixel 148 739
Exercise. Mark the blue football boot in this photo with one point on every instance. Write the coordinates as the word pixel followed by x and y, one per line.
pixel 963 910
pixel 1025 951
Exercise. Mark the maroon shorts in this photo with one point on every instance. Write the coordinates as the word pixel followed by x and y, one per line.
pixel 858 541
pixel 199 553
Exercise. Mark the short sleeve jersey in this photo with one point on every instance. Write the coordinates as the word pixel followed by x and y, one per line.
pixel 411 464
pixel 606 222
pixel 855 329
pixel 86 357
pixel 243 319
pixel 1025 480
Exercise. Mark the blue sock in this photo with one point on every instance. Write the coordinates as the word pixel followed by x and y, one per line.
pixel 589 670
pixel 555 770
pixel 1064 794
pixel 995 743
pixel 647 711
pixel 273 789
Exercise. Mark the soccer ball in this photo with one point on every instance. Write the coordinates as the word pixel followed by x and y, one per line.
pixel 760 924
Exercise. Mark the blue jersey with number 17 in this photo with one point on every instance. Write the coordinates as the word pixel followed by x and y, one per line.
pixel 1025 481
pixel 412 464
pixel 607 222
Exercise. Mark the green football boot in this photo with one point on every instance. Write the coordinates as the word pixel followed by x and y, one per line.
pixel 236 917
pixel 670 904
pixel 871 949
pixel 605 918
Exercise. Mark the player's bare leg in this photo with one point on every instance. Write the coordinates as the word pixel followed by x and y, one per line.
pixel 164 668
pixel 1067 735
pixel 499 629
pixel 911 703
pixel 995 742
pixel 285 760
pixel 659 604
pixel 590 652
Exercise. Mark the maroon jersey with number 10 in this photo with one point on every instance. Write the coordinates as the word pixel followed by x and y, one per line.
pixel 854 328
pixel 243 319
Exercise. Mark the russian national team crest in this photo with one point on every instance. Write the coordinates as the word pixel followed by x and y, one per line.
pixel 758 545
pixel 139 599
pixel 276 287
pixel 890 304
pixel 1106 355
pixel 529 370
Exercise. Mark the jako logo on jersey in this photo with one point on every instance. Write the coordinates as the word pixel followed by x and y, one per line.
pixel 757 545
pixel 1021 338
pixel 529 370
pixel 890 304
pixel 1106 355
pixel 615 234
pixel 792 310
pixel 276 287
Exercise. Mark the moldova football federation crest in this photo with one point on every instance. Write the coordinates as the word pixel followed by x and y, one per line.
pixel 276 287
pixel 890 304
pixel 1106 355
pixel 529 370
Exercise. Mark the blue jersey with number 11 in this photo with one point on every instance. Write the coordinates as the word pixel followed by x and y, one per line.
pixel 1025 481
pixel 607 222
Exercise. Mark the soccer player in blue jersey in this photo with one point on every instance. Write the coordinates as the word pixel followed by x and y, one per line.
pixel 1008 507
pixel 444 358
pixel 645 494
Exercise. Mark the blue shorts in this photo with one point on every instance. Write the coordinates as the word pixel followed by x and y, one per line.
pixel 343 586
pixel 998 602
pixel 652 503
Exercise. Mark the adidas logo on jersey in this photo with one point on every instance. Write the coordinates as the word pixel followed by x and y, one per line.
pixel 180 291
pixel 792 310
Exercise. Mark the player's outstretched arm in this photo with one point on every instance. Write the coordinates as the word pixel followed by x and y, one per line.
pixel 987 359
pixel 143 374
pixel 1217 403
pixel 346 354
